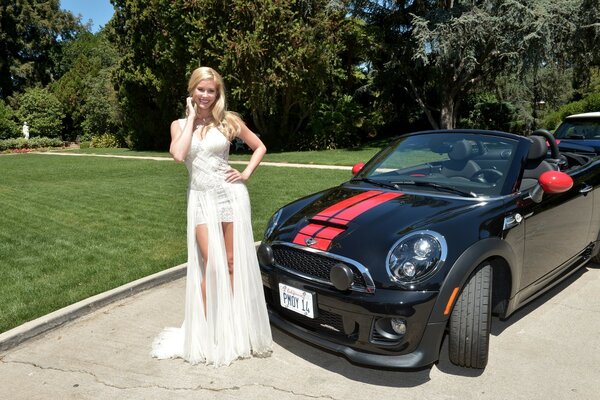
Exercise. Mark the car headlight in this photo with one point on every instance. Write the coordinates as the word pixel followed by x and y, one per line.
pixel 272 224
pixel 416 256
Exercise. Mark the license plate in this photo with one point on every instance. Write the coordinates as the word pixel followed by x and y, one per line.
pixel 296 300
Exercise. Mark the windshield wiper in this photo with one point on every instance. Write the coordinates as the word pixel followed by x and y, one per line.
pixel 437 186
pixel 377 183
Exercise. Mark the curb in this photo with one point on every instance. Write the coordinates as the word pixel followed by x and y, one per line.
pixel 31 329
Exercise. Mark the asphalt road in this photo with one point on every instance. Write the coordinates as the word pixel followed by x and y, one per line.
pixel 548 350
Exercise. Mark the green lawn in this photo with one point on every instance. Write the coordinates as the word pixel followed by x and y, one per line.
pixel 331 157
pixel 72 227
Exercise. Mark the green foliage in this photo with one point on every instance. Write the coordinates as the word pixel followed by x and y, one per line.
pixel 487 112
pixel 106 140
pixel 33 143
pixel 589 103
pixel 281 61
pixel 42 111
pixel 339 125
pixel 31 32
pixel 438 52
pixel 101 109
pixel 8 127
pixel 85 89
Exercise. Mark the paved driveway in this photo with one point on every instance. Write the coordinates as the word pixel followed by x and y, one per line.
pixel 548 350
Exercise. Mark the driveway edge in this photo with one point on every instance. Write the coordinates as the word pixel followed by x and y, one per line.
pixel 31 329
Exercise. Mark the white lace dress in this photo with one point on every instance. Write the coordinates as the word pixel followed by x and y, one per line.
pixel 236 324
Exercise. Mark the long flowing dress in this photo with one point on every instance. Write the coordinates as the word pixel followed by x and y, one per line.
pixel 236 323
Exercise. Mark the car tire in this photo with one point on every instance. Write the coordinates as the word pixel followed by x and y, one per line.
pixel 470 321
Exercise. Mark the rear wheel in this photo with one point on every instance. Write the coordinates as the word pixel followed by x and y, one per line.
pixel 470 321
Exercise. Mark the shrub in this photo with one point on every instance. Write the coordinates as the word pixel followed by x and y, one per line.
pixel 33 143
pixel 489 113
pixel 589 103
pixel 107 140
pixel 8 127
pixel 342 123
pixel 42 111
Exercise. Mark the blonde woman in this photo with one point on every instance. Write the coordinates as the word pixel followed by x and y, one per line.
pixel 225 312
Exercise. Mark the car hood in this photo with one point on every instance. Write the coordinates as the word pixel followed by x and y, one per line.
pixel 352 222
pixel 579 145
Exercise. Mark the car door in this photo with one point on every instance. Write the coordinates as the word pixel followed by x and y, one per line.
pixel 556 230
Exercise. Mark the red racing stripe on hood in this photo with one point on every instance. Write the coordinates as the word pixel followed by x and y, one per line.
pixel 320 236
pixel 347 215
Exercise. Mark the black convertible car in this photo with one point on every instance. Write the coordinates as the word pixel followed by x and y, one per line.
pixel 432 236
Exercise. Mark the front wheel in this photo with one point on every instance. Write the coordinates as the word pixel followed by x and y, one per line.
pixel 470 321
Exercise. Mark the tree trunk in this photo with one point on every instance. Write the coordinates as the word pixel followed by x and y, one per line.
pixel 447 114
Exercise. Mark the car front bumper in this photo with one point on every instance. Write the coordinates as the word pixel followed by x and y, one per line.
pixel 349 322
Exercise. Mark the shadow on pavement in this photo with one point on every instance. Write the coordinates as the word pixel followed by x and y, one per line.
pixel 340 365
pixel 498 325
pixel 409 378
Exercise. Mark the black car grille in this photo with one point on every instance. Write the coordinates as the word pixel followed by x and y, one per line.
pixel 325 321
pixel 312 265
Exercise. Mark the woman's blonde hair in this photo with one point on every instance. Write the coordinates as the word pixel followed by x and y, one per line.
pixel 226 121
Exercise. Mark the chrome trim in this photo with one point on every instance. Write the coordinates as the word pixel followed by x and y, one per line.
pixel 510 221
pixel 369 284
pixel 586 189
pixel 441 240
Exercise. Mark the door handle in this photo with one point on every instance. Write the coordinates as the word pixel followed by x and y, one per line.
pixel 586 189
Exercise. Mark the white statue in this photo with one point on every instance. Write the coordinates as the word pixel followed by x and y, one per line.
pixel 26 131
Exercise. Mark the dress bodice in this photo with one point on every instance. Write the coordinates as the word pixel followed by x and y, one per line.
pixel 207 160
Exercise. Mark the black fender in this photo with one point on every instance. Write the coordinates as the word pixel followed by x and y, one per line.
pixel 465 265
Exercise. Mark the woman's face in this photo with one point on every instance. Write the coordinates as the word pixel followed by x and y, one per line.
pixel 205 94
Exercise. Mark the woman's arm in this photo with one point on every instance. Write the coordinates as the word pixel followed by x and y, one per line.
pixel 181 139
pixel 258 152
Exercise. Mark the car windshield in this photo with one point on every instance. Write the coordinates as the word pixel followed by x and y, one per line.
pixel 581 129
pixel 458 164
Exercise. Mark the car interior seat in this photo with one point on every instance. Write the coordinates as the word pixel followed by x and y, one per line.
pixel 536 162
pixel 459 164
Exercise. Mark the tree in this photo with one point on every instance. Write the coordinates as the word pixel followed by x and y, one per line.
pixel 31 31
pixel 8 127
pixel 437 52
pixel 42 111
pixel 86 66
pixel 585 49
pixel 280 59
pixel 101 109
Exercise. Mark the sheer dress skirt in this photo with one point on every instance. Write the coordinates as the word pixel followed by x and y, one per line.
pixel 236 324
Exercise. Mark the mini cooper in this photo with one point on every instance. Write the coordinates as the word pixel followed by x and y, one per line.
pixel 437 232
pixel 580 132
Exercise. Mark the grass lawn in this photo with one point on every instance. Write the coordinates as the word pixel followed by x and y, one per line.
pixel 72 227
pixel 328 157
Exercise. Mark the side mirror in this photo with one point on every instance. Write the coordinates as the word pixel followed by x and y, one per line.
pixel 551 182
pixel 357 167
pixel 555 182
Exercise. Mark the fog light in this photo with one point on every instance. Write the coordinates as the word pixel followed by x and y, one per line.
pixel 265 255
pixel 398 325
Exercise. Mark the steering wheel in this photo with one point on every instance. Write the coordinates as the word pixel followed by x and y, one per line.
pixel 551 142
pixel 560 160
pixel 487 175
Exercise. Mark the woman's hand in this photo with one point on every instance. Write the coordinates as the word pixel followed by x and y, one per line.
pixel 233 175
pixel 190 109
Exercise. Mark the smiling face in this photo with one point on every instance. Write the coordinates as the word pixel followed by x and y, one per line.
pixel 205 94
